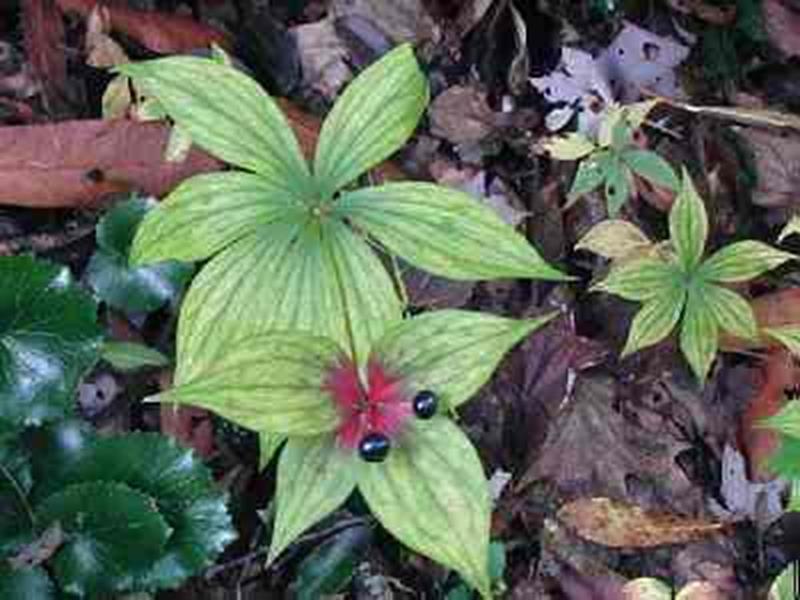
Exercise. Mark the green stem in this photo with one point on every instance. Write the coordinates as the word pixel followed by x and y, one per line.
pixel 23 500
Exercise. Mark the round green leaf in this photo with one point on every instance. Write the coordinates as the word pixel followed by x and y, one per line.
pixel 444 231
pixel 431 494
pixel 49 338
pixel 371 120
pixel 181 488
pixel 25 584
pixel 131 289
pixel 452 352
pixel 111 531
pixel 314 478
pixel 226 113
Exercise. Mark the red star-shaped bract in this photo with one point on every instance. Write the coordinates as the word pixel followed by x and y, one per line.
pixel 382 407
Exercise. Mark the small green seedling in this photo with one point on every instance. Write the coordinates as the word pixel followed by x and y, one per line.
pixel 680 286
pixel 613 158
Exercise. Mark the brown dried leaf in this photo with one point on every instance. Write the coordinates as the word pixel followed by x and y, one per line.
pixel 609 523
pixel 101 50
pixel 77 163
pixel 461 115
pixel 44 43
pixel 782 23
pixel 160 32
pixel 777 162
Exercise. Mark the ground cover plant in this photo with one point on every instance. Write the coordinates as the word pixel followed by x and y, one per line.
pixel 398 300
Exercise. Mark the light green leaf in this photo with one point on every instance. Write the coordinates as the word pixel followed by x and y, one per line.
pixel 732 312
pixel 127 356
pixel 655 320
pixel 226 113
pixel 591 173
pixel 641 279
pixel 699 332
pixel 290 276
pixel 636 113
pixel 431 494
pixel 783 587
pixel 787 421
pixel 268 445
pixel 444 231
pixel 609 125
pixel 372 119
pixel 788 335
pixel 652 167
pixel 688 225
pixel 614 239
pixel 791 228
pixel 571 146
pixel 452 352
pixel 273 383
pixel 315 477
pixel 209 212
pixel 618 187
pixel 742 261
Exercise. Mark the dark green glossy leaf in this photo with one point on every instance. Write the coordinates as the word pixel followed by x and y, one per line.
pixel 314 478
pixel 127 356
pixel 25 584
pixel 16 480
pixel 330 566
pixel 181 488
pixel 372 119
pixel 48 339
pixel 131 289
pixel 111 532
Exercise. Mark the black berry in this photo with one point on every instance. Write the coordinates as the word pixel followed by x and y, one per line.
pixel 374 447
pixel 425 404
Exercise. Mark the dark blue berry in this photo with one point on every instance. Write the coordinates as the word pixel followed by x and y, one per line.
pixel 425 404
pixel 374 447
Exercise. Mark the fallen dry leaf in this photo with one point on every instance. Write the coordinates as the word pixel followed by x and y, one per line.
pixel 160 32
pixel 777 162
pixel 44 42
pixel 461 115
pixel 609 523
pixel 782 22
pixel 706 11
pixel 77 163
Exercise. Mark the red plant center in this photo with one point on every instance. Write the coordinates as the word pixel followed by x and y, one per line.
pixel 382 406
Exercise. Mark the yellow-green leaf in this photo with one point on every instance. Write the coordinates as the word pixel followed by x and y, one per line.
pixel 742 261
pixel 614 239
pixel 444 231
pixel 688 225
pixel 453 352
pixel 571 146
pixel 640 279
pixel 788 335
pixel 732 312
pixel 431 494
pixel 655 320
pixel 273 383
pixel 314 478
pixel 227 113
pixel 207 213
pixel 372 119
pixel 699 333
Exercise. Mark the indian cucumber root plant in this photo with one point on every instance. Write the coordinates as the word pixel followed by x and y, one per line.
pixel 296 325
